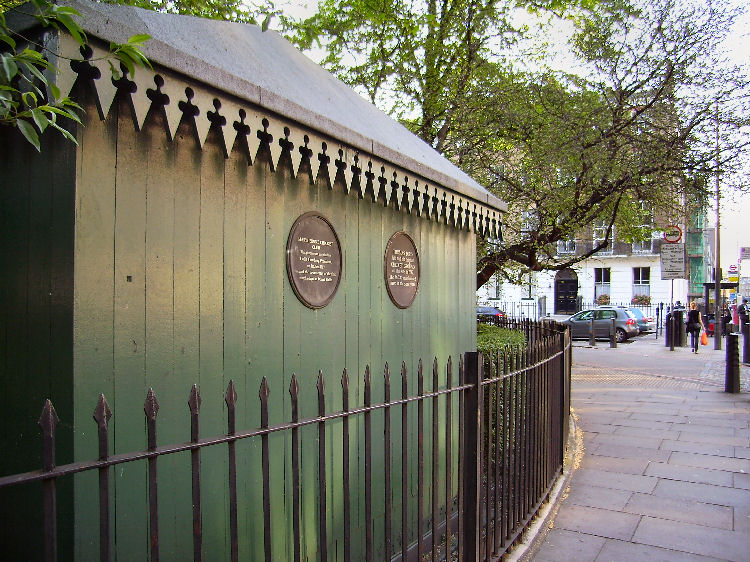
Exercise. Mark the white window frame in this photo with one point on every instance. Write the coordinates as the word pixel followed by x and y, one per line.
pixel 599 233
pixel 641 288
pixel 602 287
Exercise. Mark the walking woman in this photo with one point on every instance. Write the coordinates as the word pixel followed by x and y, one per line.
pixel 694 326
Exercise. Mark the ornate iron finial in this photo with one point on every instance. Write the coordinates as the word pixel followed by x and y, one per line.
pixel 294 386
pixel 231 395
pixel 345 382
pixel 264 390
pixel 194 402
pixel 102 412
pixel 151 406
pixel 321 383
pixel 48 420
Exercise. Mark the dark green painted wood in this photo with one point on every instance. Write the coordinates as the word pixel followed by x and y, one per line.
pixel 36 226
pixel 181 279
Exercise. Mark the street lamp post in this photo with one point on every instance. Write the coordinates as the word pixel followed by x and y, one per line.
pixel 718 326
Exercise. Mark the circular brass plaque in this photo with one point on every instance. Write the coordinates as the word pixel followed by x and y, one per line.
pixel 313 260
pixel 401 269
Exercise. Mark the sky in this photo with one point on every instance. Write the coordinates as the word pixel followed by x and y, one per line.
pixel 734 213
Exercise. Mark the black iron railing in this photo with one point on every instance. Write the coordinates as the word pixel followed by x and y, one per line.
pixel 483 487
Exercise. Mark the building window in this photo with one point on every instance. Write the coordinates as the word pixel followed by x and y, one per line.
pixel 643 246
pixel 601 281
pixel 599 234
pixel 646 226
pixel 567 246
pixel 641 281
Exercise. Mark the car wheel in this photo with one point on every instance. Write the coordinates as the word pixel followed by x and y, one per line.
pixel 621 335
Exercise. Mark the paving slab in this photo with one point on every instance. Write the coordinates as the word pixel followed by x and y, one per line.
pixel 670 471
pixel 704 429
pixel 687 511
pixel 634 440
pixel 706 493
pixel 621 550
pixel 710 461
pixel 653 433
pixel 614 464
pixel 615 480
pixel 599 522
pixel 598 496
pixel 626 452
pixel 694 539
pixel 742 480
pixel 561 544
pixel 699 448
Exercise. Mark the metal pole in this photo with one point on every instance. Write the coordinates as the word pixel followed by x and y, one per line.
pixel 718 328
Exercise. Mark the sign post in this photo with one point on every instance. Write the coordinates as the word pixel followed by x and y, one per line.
pixel 672 257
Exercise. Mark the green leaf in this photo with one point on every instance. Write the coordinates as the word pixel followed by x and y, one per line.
pixel 28 131
pixel 40 119
pixel 8 68
pixel 139 39
pixel 29 99
pixel 54 90
pixel 67 134
pixel 7 39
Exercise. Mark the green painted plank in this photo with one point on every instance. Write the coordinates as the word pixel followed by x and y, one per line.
pixel 93 298
pixel 134 159
pixel 173 353
pixel 249 485
pixel 214 505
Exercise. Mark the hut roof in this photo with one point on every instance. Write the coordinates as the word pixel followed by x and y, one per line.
pixel 263 68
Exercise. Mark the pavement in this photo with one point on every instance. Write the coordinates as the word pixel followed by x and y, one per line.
pixel 662 466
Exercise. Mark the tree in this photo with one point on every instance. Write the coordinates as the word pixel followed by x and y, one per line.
pixel 29 98
pixel 634 125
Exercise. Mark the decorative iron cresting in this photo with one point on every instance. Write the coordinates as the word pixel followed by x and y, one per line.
pixel 178 97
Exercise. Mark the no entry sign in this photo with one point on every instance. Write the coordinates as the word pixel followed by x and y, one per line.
pixel 672 234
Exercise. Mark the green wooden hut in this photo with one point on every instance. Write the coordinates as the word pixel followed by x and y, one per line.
pixel 155 254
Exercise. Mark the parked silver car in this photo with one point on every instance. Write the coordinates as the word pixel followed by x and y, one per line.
pixel 646 324
pixel 626 325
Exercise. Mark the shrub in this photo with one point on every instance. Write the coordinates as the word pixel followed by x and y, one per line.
pixel 491 339
pixel 643 300
pixel 602 299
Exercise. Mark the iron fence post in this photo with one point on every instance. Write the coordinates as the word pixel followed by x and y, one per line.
pixel 472 423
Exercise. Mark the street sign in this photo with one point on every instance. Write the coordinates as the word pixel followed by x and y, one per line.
pixel 673 261
pixel 672 234
pixel 745 253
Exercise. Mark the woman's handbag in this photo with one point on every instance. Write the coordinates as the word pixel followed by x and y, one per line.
pixel 704 338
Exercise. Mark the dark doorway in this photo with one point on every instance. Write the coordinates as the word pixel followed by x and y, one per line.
pixel 566 291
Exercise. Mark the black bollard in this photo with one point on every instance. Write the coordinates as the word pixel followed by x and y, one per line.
pixel 732 374
pixel 592 335
pixel 746 343
pixel 612 334
pixel 671 331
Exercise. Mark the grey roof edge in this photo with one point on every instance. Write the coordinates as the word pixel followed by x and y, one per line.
pixel 117 23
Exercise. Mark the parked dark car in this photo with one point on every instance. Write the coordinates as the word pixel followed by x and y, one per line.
pixel 489 314
pixel 626 325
